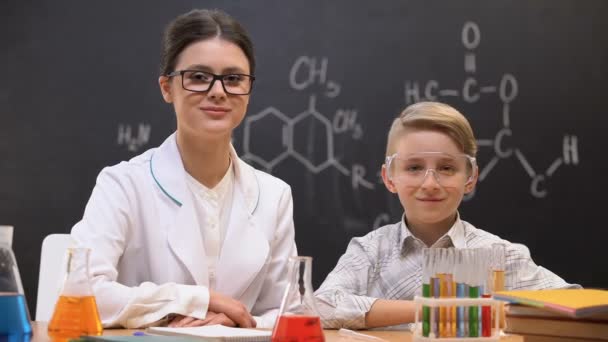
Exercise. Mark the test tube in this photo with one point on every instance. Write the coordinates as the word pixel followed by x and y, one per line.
pixel 434 291
pixel 450 293
pixel 497 260
pixel 486 310
pixel 497 277
pixel 426 289
pixel 473 293
pixel 460 281
pixel 435 311
pixel 442 269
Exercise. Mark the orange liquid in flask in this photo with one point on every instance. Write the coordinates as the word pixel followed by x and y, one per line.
pixel 74 317
pixel 298 329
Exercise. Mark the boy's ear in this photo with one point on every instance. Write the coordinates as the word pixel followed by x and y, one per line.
pixel 387 182
pixel 470 186
pixel 165 88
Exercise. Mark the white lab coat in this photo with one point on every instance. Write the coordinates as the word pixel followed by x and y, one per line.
pixel 148 257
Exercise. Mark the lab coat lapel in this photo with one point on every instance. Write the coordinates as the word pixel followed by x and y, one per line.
pixel 245 247
pixel 184 235
pixel 187 243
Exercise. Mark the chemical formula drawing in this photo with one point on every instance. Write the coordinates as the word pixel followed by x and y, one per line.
pixel 305 72
pixel 133 137
pixel 507 90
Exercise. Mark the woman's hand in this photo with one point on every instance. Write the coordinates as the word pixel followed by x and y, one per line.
pixel 218 318
pixel 222 310
pixel 180 321
pixel 231 308
pixel 212 318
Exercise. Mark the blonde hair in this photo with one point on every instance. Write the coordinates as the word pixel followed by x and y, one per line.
pixel 433 116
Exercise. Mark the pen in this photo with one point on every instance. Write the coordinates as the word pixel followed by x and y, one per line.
pixel 353 334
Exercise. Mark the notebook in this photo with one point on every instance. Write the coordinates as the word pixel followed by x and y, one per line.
pixel 556 327
pixel 572 302
pixel 536 312
pixel 146 338
pixel 218 333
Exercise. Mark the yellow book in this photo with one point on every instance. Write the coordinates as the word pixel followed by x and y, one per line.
pixel 571 302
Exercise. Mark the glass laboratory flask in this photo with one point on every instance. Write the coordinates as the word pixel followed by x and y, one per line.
pixel 299 319
pixel 75 312
pixel 14 315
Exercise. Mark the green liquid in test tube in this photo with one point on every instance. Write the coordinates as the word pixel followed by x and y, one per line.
pixel 426 313
pixel 474 313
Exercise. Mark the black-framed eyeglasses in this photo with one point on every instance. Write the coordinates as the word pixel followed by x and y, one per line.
pixel 201 81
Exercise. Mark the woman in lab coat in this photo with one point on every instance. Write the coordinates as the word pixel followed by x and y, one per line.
pixel 187 233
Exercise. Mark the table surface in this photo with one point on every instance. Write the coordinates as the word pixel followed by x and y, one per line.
pixel 40 334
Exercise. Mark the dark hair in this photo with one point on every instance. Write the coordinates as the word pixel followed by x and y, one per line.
pixel 198 25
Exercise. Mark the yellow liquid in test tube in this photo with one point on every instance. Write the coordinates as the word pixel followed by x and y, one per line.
pixel 498 284
pixel 453 332
pixel 498 280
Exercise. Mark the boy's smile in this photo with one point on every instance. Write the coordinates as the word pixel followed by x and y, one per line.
pixel 430 199
pixel 428 183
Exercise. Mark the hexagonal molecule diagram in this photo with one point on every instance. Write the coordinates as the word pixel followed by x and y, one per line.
pixel 269 151
pixel 309 136
pixel 266 151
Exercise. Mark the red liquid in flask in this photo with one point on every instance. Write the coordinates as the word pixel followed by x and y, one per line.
pixel 298 329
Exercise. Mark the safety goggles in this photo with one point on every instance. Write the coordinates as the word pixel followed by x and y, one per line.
pixel 449 170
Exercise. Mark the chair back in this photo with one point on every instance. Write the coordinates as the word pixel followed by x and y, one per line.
pixel 52 273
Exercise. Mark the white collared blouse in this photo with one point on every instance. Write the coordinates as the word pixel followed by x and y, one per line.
pixel 213 208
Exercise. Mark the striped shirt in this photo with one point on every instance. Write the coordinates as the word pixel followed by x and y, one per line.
pixel 387 264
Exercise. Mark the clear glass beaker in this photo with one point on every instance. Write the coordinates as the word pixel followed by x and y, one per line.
pixel 75 312
pixel 14 315
pixel 299 318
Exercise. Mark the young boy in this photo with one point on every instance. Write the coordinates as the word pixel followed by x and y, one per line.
pixel 430 165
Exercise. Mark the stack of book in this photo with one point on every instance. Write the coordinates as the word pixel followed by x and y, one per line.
pixel 557 315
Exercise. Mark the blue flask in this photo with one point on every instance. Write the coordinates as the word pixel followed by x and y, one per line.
pixel 14 316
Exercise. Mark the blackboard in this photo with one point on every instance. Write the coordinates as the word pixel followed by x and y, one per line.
pixel 79 92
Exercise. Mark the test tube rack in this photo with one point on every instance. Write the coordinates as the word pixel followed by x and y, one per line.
pixel 455 302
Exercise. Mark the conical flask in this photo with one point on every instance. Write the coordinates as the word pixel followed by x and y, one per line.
pixel 298 316
pixel 75 312
pixel 14 316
